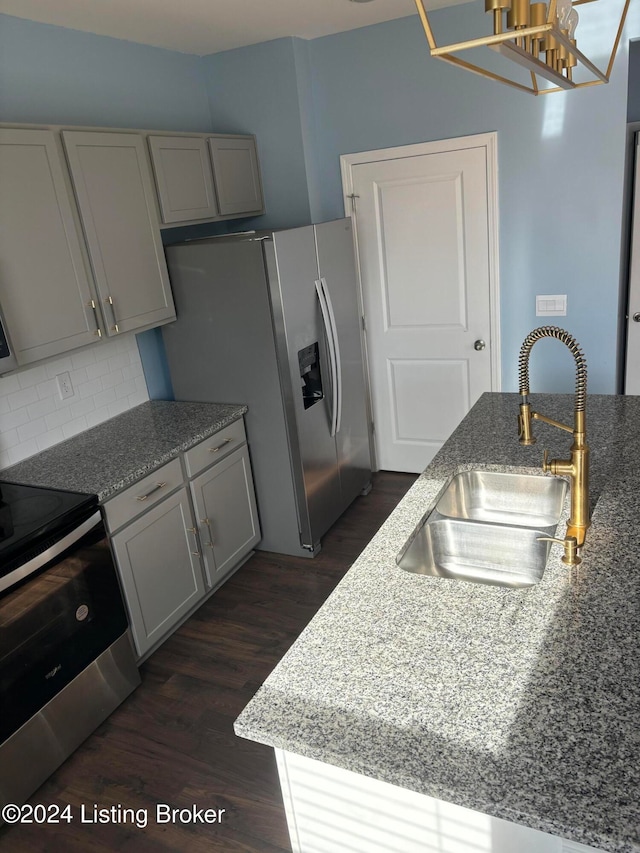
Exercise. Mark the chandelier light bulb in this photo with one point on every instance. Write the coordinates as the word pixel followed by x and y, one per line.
pixel 564 9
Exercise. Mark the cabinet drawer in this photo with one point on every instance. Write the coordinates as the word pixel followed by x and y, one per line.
pixel 214 448
pixel 130 503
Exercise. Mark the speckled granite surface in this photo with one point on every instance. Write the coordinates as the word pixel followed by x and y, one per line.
pixel 116 453
pixel 522 704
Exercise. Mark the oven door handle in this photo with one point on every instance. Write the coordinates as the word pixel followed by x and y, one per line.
pixel 51 553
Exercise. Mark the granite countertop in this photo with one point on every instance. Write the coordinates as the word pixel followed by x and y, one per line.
pixel 522 704
pixel 113 455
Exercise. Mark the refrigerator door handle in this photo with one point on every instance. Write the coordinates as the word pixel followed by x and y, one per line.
pixel 326 320
pixel 336 349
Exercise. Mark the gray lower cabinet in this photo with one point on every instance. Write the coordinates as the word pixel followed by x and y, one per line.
pixel 226 512
pixel 180 531
pixel 160 570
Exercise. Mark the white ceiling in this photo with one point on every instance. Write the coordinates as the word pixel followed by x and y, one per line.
pixel 209 26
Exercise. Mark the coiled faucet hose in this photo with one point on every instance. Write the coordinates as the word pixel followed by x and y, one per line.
pixel 576 352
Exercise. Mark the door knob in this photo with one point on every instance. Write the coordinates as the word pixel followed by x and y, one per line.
pixel 479 344
pixel 636 317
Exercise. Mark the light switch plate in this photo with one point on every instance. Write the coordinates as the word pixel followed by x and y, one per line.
pixel 554 305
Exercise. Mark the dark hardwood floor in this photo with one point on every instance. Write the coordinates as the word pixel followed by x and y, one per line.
pixel 172 741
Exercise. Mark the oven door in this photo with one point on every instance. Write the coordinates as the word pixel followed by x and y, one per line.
pixel 64 611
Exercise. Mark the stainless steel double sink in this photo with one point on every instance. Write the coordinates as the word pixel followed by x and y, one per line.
pixel 488 527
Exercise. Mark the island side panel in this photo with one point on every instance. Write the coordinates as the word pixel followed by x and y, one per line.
pixel 330 810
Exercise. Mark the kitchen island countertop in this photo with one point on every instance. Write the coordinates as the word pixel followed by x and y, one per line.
pixel 521 704
pixel 113 455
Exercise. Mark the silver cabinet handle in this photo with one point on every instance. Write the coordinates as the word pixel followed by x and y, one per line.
pixel 98 331
pixel 210 543
pixel 194 530
pixel 151 491
pixel 220 446
pixel 479 344
pixel 109 301
pixel 636 317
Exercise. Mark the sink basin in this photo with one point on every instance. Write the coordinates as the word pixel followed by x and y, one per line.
pixel 486 528
pixel 504 498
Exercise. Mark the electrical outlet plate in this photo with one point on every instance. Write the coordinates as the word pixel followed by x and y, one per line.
pixel 65 388
pixel 554 305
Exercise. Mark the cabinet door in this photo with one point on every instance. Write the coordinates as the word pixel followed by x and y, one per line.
pixel 159 564
pixel 236 173
pixel 113 186
pixel 45 289
pixel 184 178
pixel 226 512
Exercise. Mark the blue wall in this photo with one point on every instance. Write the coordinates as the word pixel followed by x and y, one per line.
pixel 561 157
pixel 255 90
pixel 561 161
pixel 53 75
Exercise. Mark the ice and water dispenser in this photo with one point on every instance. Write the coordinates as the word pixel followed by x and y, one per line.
pixel 310 378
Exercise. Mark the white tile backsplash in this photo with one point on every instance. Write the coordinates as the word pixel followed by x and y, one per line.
pixel 107 380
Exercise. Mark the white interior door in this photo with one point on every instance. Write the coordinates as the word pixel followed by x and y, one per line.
pixel 632 369
pixel 425 225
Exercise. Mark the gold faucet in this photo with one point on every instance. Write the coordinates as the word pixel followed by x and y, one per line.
pixel 577 467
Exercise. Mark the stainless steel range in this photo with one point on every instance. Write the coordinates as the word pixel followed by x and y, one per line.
pixel 66 660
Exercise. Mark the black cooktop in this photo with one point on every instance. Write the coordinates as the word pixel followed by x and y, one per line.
pixel 32 518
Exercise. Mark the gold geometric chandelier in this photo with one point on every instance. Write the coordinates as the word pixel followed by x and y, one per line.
pixel 538 38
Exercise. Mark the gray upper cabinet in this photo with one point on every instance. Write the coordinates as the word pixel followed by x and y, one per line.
pixel 114 190
pixel 45 289
pixel 237 174
pixel 206 177
pixel 81 254
pixel 184 178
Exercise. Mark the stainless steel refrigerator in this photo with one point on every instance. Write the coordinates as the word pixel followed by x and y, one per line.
pixel 271 319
